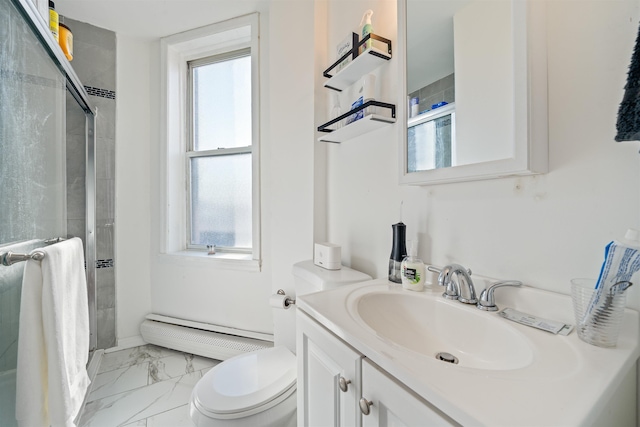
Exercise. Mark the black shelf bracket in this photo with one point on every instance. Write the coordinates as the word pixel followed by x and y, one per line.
pixel 355 51
pixel 372 103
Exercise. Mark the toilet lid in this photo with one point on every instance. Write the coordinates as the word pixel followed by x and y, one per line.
pixel 247 381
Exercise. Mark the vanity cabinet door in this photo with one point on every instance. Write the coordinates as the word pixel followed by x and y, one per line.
pixel 328 377
pixel 389 403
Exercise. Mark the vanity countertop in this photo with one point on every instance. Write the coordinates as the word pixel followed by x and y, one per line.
pixel 555 380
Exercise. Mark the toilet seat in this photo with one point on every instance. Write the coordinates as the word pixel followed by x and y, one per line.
pixel 247 384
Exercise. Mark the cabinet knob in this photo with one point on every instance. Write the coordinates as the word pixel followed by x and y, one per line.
pixel 365 406
pixel 344 384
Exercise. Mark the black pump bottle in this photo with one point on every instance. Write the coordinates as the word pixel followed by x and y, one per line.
pixel 398 251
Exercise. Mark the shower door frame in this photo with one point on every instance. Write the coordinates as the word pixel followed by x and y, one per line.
pixel 77 90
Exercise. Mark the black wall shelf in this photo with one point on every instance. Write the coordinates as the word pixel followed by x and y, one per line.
pixel 361 63
pixel 368 123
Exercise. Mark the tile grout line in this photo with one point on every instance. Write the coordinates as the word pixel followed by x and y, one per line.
pixel 164 412
pixel 176 379
pixel 119 376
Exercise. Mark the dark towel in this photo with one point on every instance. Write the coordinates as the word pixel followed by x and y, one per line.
pixel 628 125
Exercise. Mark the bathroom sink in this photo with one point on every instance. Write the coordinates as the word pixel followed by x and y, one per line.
pixel 439 329
pixel 403 332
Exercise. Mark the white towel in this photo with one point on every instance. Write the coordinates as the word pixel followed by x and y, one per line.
pixel 53 342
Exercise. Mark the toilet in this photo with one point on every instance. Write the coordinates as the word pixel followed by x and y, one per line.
pixel 258 389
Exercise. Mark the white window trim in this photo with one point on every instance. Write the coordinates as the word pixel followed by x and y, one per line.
pixel 175 52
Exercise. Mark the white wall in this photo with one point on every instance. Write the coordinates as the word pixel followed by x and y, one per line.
pixel 187 289
pixel 362 190
pixel 289 173
pixel 133 203
pixel 175 286
pixel 543 230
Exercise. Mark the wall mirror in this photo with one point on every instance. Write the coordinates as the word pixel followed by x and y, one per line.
pixel 474 101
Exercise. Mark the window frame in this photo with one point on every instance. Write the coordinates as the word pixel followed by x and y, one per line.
pixel 191 153
pixel 175 51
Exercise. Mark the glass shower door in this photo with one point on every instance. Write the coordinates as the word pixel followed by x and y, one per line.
pixel 32 171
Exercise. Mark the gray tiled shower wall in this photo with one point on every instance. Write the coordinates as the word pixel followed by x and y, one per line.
pixel 94 61
pixel 438 91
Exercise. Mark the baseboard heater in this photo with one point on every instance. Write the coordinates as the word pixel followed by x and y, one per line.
pixel 213 341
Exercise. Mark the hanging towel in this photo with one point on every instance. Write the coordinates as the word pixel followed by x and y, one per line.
pixel 628 124
pixel 53 340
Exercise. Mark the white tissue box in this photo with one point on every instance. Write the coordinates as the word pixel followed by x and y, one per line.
pixel 327 255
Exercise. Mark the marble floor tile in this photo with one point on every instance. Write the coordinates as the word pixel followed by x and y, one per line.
pixel 141 423
pixel 175 366
pixel 141 403
pixel 178 417
pixel 119 380
pixel 144 386
pixel 134 356
pixel 205 370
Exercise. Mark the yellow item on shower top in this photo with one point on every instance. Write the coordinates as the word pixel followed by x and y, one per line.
pixel 66 41
pixel 53 20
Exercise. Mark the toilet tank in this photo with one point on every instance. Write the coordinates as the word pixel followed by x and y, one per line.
pixel 309 278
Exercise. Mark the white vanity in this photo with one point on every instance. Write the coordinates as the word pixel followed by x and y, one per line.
pixel 372 347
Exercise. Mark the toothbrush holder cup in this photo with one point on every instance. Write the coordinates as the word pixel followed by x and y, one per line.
pixel 598 317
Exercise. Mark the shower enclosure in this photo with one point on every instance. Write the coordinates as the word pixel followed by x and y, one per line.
pixel 47 142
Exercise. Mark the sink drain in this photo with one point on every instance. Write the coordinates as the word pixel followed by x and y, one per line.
pixel 447 357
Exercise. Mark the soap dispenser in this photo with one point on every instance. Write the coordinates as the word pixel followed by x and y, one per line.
pixel 412 269
pixel 365 29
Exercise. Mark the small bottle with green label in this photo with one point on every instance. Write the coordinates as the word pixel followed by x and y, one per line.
pixel 412 269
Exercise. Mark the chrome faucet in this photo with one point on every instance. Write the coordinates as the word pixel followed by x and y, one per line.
pixel 460 288
pixel 487 300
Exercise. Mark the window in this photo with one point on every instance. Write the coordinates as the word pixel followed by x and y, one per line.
pixel 219 153
pixel 211 193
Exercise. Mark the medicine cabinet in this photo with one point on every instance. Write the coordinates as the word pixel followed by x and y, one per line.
pixel 496 125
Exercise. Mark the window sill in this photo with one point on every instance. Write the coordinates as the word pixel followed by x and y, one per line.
pixel 227 261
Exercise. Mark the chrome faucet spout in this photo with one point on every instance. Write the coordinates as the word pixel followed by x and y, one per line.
pixel 459 287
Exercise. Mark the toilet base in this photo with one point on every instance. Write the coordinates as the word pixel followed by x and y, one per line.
pixel 281 415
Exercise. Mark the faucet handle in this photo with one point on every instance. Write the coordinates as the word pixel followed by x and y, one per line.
pixel 487 300
pixel 433 269
pixel 444 279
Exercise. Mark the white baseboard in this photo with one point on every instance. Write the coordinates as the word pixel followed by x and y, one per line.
pixel 94 364
pixel 126 343
pixel 263 336
pixel 205 343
